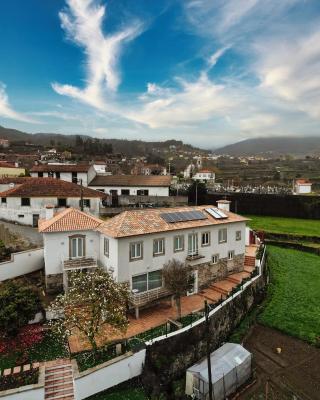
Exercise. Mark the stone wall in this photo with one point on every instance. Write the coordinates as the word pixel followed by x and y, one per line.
pixel 209 272
pixel 168 359
pixel 54 283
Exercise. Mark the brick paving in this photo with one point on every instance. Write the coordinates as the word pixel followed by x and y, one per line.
pixel 158 314
pixel 58 380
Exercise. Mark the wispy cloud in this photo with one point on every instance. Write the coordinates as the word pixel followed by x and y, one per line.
pixel 83 24
pixel 6 111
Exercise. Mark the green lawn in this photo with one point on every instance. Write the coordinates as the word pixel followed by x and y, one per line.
pixel 293 303
pixel 293 226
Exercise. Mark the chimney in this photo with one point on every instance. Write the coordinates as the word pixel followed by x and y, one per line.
pixel 224 204
pixel 49 211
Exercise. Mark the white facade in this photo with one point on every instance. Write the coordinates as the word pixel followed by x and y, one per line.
pixel 134 190
pixel 124 269
pixel 13 211
pixel 303 188
pixel 205 176
pixel 86 177
pixel 100 168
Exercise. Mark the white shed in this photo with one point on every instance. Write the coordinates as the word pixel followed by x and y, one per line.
pixel 230 368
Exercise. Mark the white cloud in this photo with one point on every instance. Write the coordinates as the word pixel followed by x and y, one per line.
pixel 258 123
pixel 7 111
pixel 83 23
pixel 289 69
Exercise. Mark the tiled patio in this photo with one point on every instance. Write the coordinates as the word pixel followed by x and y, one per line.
pixel 157 315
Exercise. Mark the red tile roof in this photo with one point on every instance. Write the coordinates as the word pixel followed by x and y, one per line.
pixel 303 182
pixel 69 220
pixel 5 164
pixel 131 180
pixel 50 187
pixel 60 168
pixel 14 179
pixel 141 222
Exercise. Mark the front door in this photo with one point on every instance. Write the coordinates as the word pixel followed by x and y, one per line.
pixel 77 247
pixel 35 219
pixel 194 288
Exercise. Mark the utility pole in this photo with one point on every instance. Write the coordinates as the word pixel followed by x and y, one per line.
pixel 206 311
pixel 81 195
pixel 196 192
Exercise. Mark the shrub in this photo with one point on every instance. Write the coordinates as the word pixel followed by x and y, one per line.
pixel 18 305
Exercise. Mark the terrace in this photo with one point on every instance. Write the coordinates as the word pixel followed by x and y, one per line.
pixel 163 311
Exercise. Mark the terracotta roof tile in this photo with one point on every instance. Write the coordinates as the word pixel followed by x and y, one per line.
pixel 14 179
pixel 69 219
pixel 50 187
pixel 131 180
pixel 140 222
pixel 60 168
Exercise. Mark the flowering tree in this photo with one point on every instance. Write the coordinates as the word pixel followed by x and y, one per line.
pixel 92 300
pixel 178 279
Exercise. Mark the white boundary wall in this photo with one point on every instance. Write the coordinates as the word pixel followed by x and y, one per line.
pixel 22 263
pixel 108 374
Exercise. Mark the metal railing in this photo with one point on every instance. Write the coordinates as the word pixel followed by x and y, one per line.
pixel 138 299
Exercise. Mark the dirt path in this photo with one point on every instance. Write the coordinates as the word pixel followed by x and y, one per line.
pixel 292 375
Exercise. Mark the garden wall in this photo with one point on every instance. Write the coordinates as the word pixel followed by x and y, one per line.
pixel 167 358
pixel 108 374
pixel 22 263
pixel 30 392
pixel 270 204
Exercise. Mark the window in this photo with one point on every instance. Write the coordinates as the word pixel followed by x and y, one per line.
pixel 135 251
pixel 230 255
pixel 74 177
pixel 25 201
pixel 158 247
pixel 178 243
pixel 142 192
pixel 215 259
pixel 149 281
pixel 3 199
pixel 222 235
pixel 205 239
pixel 40 174
pixel 77 246
pixel 62 202
pixel 193 244
pixel 238 235
pixel 125 192
pixel 50 174
pixel 86 203
pixel 106 247
pixel 58 175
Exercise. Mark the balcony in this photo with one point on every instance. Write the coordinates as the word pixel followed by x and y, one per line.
pixel 71 264
pixel 139 299
pixel 194 255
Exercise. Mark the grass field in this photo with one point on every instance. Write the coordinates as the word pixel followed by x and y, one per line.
pixel 121 394
pixel 293 226
pixel 293 296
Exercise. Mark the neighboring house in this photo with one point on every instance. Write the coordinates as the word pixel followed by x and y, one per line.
pixel 134 246
pixel 25 203
pixel 4 143
pixel 153 169
pixel 302 186
pixel 10 169
pixel 99 166
pixel 205 175
pixel 10 182
pixel 74 173
pixel 135 185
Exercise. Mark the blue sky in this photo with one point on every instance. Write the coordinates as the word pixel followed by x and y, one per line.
pixel 209 72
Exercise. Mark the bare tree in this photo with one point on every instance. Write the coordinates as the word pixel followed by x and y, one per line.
pixel 92 300
pixel 178 279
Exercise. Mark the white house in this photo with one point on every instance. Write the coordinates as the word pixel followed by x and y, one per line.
pixel 75 173
pixel 25 203
pixel 205 175
pixel 99 166
pixel 135 185
pixel 302 186
pixel 134 245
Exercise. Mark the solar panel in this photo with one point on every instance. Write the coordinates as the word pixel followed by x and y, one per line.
pixel 216 213
pixel 183 216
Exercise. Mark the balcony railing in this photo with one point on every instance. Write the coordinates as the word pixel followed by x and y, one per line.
pixel 139 299
pixel 70 264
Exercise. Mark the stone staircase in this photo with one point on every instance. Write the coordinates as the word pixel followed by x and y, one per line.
pixel 58 383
